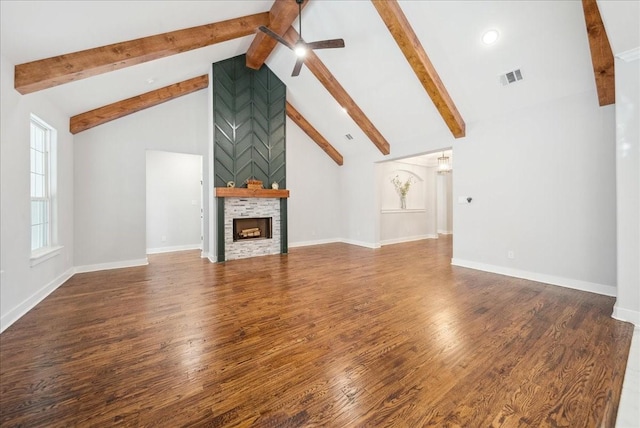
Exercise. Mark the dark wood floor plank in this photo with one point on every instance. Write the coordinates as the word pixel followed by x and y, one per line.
pixel 331 335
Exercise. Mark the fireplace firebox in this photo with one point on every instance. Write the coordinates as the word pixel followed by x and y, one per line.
pixel 252 228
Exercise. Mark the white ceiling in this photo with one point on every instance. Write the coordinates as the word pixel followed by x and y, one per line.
pixel 546 39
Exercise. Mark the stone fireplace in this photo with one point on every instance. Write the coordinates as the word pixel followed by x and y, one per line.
pixel 251 210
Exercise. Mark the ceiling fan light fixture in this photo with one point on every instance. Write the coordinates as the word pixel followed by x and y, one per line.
pixel 300 49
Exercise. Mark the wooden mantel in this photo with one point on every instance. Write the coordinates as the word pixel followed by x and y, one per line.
pixel 238 192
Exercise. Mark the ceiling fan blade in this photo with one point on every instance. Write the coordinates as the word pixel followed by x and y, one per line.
pixel 297 67
pixel 276 36
pixel 326 44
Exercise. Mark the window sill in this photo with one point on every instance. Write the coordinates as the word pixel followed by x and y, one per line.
pixel 40 256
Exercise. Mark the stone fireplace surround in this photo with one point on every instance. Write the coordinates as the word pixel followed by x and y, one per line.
pixel 246 203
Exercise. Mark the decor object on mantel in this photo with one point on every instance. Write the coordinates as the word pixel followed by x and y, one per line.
pixel 444 164
pixel 231 184
pixel 402 189
pixel 275 185
pixel 254 184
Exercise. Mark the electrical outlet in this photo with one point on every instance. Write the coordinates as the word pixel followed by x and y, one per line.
pixel 511 255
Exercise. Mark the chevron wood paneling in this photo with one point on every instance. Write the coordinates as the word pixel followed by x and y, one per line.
pixel 249 119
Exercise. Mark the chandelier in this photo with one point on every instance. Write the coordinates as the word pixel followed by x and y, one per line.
pixel 444 164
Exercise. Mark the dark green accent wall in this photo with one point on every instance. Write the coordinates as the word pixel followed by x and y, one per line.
pixel 284 234
pixel 220 230
pixel 249 124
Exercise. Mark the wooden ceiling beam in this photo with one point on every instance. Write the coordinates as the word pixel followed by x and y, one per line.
pixel 281 17
pixel 93 118
pixel 405 37
pixel 313 63
pixel 313 134
pixel 46 73
pixel 601 54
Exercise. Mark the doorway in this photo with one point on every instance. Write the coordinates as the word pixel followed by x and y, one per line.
pixel 428 212
pixel 174 202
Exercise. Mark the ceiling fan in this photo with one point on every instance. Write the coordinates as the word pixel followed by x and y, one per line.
pixel 301 47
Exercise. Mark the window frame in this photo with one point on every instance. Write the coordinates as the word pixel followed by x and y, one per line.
pixel 48 247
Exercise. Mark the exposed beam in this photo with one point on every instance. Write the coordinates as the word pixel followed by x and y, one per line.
pixel 314 134
pixel 90 119
pixel 50 72
pixel 281 17
pixel 601 54
pixel 398 25
pixel 313 63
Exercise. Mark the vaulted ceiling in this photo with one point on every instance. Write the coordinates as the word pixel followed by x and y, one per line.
pixel 546 40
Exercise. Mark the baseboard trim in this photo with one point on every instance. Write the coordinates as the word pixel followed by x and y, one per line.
pixel 311 243
pixel 607 290
pixel 16 313
pixel 173 249
pixel 407 239
pixel 112 265
pixel 361 243
pixel 627 315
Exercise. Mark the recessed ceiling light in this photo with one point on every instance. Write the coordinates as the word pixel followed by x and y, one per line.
pixel 150 80
pixel 490 37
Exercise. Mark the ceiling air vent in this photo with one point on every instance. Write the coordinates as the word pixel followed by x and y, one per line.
pixel 511 77
pixel 348 137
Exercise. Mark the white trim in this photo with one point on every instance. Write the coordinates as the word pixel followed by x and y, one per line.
pixel 316 242
pixel 14 314
pixel 175 248
pixel 445 232
pixel 212 258
pixel 408 239
pixel 628 315
pixel 630 55
pixel 406 210
pixel 44 254
pixel 112 265
pixel 576 284
pixel 360 243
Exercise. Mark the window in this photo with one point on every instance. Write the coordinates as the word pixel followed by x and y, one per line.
pixel 42 183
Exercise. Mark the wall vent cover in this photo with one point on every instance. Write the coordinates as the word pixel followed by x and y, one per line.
pixel 511 77
pixel 348 137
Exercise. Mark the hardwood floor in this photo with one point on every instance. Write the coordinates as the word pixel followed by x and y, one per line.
pixel 332 335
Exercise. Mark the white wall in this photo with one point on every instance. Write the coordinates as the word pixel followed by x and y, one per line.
pixel 543 186
pixel 109 179
pixel 173 201
pixel 23 286
pixel 444 183
pixel 542 181
pixel 314 206
pixel 628 189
